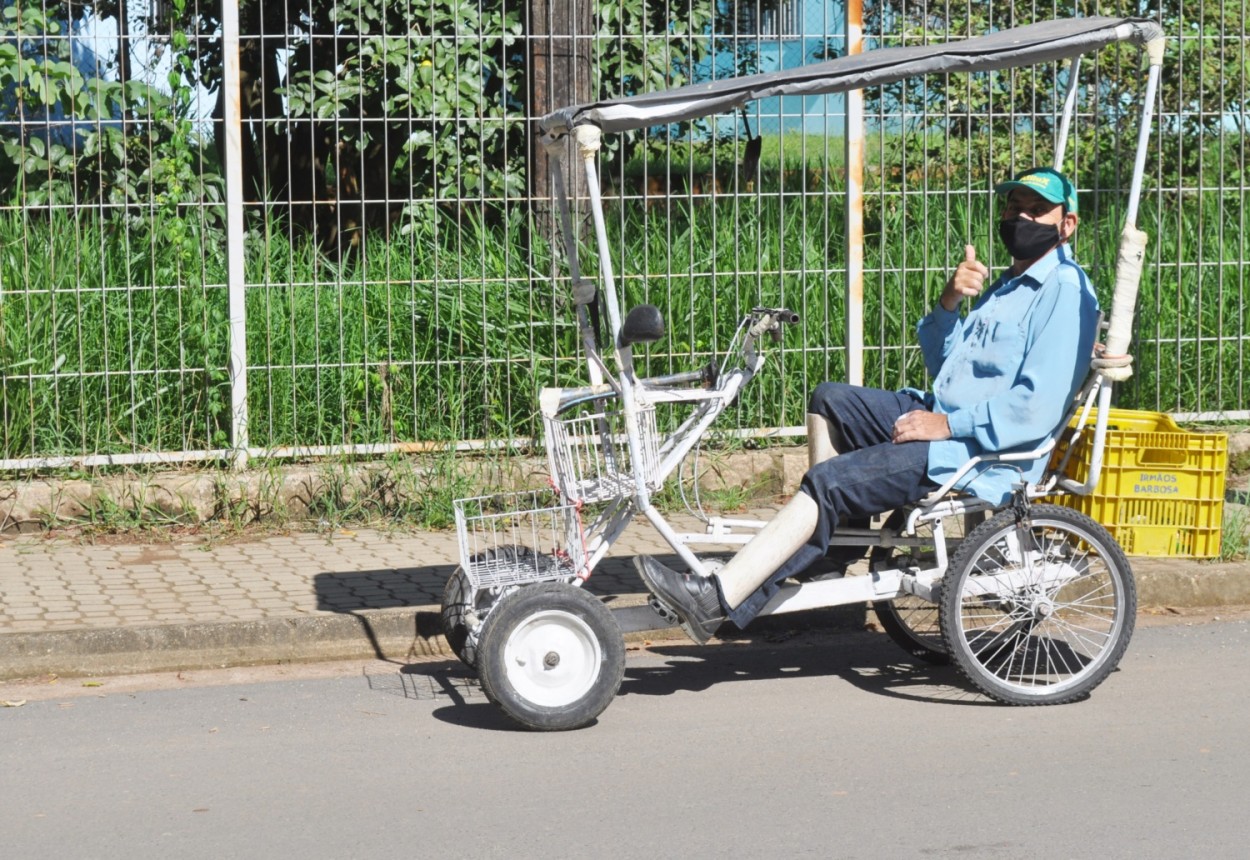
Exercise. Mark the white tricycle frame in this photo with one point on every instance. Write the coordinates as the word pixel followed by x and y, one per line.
pixel 1035 605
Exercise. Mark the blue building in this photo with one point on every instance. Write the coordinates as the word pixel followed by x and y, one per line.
pixel 88 45
pixel 768 35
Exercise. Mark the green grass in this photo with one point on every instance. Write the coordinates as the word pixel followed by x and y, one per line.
pixel 789 152
pixel 449 329
pixel 1235 533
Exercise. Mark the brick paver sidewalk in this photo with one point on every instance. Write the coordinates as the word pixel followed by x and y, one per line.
pixel 65 584
pixel 75 607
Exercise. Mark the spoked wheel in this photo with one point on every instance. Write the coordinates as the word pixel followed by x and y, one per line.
pixel 1040 612
pixel 910 621
pixel 457 605
pixel 551 656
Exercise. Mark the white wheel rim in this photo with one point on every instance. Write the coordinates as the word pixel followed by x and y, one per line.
pixel 552 659
pixel 1099 617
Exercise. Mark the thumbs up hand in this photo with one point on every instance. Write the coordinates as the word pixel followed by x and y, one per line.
pixel 968 280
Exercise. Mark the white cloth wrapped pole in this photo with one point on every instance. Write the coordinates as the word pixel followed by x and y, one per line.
pixel 1115 362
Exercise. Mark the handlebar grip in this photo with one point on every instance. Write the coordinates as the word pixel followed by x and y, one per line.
pixel 783 316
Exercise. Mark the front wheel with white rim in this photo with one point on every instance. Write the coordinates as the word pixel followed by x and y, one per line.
pixel 551 656
pixel 1040 611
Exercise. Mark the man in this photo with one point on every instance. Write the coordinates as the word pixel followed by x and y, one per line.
pixel 1004 375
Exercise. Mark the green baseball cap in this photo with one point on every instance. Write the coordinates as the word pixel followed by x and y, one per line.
pixel 1045 181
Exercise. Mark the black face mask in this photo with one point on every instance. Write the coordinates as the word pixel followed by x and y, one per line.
pixel 1027 240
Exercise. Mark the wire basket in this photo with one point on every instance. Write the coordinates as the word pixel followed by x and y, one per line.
pixel 590 457
pixel 519 538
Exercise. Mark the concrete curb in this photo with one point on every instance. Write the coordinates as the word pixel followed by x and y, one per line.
pixel 1161 582
pixel 402 635
pixel 411 633
pixel 394 634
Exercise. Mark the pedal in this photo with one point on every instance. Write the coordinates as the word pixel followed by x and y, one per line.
pixel 662 610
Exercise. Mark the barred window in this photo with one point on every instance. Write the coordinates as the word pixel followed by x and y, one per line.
pixel 159 15
pixel 770 18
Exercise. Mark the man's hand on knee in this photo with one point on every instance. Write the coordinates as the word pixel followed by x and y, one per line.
pixel 920 425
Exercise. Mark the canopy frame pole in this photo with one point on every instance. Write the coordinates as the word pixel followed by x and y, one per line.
pixel 588 139
pixel 1143 133
pixel 583 291
pixel 1069 108
pixel 1115 360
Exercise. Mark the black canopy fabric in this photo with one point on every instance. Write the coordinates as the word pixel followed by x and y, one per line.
pixel 1043 42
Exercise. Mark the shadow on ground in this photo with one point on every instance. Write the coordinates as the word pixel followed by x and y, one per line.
pixel 361 593
pixel 353 591
pixel 866 660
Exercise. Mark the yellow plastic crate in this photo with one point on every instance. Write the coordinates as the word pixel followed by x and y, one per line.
pixel 1161 490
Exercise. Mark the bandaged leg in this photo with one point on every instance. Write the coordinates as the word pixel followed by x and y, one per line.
pixel 769 550
pixel 823 440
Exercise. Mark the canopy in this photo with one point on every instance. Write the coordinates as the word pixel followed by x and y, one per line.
pixel 1043 42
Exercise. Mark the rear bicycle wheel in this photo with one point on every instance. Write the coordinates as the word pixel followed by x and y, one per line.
pixel 911 622
pixel 1041 611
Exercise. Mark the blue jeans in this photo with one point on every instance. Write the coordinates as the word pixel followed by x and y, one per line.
pixel 870 475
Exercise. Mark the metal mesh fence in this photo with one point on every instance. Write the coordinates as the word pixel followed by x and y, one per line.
pixel 357 208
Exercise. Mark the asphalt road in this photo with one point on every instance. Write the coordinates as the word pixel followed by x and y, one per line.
pixel 822 745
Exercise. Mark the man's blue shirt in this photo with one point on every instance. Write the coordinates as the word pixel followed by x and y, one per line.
pixel 1005 374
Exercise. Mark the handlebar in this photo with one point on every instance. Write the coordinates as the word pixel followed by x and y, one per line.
pixel 769 320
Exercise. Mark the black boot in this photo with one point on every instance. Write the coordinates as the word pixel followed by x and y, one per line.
pixel 691 597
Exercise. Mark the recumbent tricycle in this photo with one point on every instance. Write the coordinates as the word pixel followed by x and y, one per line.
pixel 1034 605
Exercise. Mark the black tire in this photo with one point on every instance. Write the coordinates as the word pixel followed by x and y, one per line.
pixel 459 599
pixel 1042 626
pixel 910 621
pixel 551 656
pixel 913 624
pixel 457 594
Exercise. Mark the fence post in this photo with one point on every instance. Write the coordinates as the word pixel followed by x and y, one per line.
pixel 233 118
pixel 559 50
pixel 855 204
